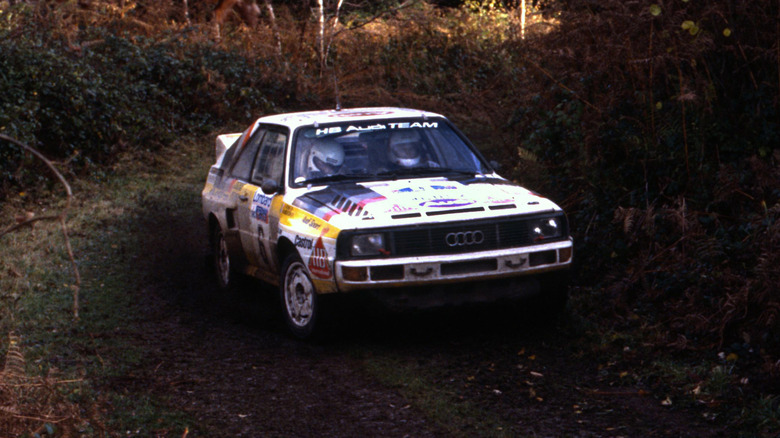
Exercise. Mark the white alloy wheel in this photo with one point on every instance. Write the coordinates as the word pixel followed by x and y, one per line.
pixel 299 297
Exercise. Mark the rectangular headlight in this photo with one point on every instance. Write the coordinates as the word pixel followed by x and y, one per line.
pixel 368 245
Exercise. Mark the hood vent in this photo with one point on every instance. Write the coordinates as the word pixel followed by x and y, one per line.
pixel 405 215
pixel 455 210
pixel 344 205
pixel 502 207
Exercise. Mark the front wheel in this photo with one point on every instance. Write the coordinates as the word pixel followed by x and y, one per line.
pixel 299 298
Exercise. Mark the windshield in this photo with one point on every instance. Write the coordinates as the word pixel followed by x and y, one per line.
pixel 380 149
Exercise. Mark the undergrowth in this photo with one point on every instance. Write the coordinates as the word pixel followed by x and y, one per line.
pixel 653 124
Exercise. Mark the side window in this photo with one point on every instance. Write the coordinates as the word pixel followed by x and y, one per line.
pixel 453 153
pixel 270 160
pixel 243 164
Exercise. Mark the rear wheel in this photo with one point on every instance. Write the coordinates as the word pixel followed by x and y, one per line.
pixel 299 298
pixel 222 267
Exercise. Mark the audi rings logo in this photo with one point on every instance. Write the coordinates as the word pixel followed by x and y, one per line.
pixel 464 238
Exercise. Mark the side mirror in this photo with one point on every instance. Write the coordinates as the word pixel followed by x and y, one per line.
pixel 495 165
pixel 269 187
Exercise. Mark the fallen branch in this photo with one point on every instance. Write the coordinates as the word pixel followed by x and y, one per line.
pixel 61 217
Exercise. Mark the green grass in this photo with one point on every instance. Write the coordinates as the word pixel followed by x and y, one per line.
pixel 451 412
pixel 37 283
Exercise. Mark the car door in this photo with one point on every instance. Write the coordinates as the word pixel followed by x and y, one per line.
pixel 234 186
pixel 258 216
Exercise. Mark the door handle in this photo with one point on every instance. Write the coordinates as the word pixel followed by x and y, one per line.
pixel 243 198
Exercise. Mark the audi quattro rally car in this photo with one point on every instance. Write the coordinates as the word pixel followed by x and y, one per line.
pixel 394 202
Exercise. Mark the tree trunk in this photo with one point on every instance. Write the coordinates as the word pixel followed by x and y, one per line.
pixel 522 19
pixel 274 27
pixel 321 38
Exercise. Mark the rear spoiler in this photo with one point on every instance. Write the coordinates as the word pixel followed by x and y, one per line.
pixel 224 142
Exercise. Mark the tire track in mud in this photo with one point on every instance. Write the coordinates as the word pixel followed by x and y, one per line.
pixel 227 361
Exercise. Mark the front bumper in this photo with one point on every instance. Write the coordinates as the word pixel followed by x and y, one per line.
pixel 441 269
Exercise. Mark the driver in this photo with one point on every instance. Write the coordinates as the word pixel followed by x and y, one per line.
pixel 325 158
pixel 405 148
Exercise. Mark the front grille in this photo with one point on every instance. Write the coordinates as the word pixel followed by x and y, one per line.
pixel 464 237
pixel 457 237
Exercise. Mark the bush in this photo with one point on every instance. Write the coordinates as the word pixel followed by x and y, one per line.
pixel 663 123
pixel 88 105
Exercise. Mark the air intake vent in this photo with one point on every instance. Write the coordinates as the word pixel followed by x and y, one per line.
pixel 405 215
pixel 344 205
pixel 454 210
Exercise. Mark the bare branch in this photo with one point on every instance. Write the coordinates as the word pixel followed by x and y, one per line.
pixel 29 222
pixel 61 217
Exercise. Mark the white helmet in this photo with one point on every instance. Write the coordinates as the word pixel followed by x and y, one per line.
pixel 326 157
pixel 405 148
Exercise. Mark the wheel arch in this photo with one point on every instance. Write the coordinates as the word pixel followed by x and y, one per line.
pixel 213 225
pixel 284 247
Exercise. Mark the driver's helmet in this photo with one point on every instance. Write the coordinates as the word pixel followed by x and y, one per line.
pixel 405 148
pixel 325 158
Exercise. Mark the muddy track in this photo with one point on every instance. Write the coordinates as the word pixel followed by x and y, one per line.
pixel 227 361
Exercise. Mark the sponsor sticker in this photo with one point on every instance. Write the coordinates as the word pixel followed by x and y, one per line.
pixel 260 205
pixel 446 203
pixel 318 262
pixel 303 242
pixel 299 221
pixel 260 213
pixel 374 127
pixel 434 196
pixel 359 113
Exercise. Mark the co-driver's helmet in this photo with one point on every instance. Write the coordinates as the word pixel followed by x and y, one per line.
pixel 326 157
pixel 405 148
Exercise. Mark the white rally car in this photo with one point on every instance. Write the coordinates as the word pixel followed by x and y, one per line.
pixel 388 201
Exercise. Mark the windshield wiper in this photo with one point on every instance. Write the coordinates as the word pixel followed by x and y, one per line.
pixel 424 171
pixel 401 172
pixel 449 170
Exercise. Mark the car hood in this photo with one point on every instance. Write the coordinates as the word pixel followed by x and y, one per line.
pixel 425 200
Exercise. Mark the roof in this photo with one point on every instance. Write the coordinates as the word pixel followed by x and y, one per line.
pixel 344 115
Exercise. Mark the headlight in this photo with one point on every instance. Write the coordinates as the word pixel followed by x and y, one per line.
pixel 368 245
pixel 547 228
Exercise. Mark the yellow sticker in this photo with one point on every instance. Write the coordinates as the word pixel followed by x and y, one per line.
pixel 304 222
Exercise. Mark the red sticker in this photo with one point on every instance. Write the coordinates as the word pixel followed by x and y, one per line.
pixel 318 262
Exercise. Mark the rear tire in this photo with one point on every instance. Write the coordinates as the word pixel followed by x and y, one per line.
pixel 300 304
pixel 223 269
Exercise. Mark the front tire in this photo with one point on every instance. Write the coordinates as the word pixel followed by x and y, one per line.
pixel 300 306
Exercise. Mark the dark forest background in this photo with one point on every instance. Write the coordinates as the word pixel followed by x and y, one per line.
pixel 654 123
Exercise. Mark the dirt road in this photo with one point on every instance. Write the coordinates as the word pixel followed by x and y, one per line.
pixel 484 371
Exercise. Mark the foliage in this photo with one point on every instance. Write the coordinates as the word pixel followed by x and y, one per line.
pixel 669 140
pixel 654 124
pixel 89 103
pixel 53 365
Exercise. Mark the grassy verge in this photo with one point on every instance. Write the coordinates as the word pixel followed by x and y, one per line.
pixel 442 405
pixel 76 360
